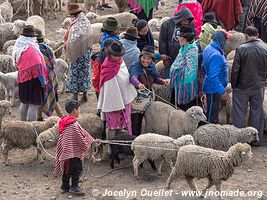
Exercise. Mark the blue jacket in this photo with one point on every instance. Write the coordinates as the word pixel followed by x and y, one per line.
pixel 215 69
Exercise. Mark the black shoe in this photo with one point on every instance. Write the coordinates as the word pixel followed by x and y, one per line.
pixel 76 191
pixel 84 97
pixel 64 190
pixel 100 8
pixel 106 5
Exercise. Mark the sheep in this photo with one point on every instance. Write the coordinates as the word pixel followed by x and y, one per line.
pixel 154 146
pixel 161 93
pixel 199 162
pixel 18 26
pixel 234 42
pixel 155 35
pixel 61 71
pixel 124 19
pixel 22 135
pixel 37 22
pixel 49 138
pixel 6 64
pixel 5 108
pixel 164 19
pixel 9 81
pixel 121 4
pixel 160 68
pixel 66 23
pixel 154 24
pixel 8 44
pixel 164 119
pixel 6 33
pixel 213 136
pixel 88 4
pixel 6 11
pixel 9 50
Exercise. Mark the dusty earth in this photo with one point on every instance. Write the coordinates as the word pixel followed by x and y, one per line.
pixel 25 179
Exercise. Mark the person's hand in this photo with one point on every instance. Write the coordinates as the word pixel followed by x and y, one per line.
pixel 225 96
pixel 141 86
pixel 166 82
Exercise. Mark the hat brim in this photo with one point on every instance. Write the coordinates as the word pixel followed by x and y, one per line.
pixel 136 37
pixel 111 28
pixel 147 54
pixel 210 21
pixel 116 53
pixel 30 35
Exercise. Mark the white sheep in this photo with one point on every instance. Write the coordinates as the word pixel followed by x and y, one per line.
pixel 6 33
pixel 151 146
pixel 9 50
pixel 161 93
pixel 22 134
pixel 66 23
pixel 154 24
pixel 8 44
pixel 49 138
pixel 9 81
pixel 199 162
pixel 6 64
pixel 91 16
pixel 61 71
pixel 164 119
pixel 6 11
pixel 37 22
pixel 18 26
pixel 155 35
pixel 214 136
pixel 5 108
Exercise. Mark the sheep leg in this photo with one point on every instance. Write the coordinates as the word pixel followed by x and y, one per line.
pixel 211 183
pixel 172 176
pixel 218 188
pixel 5 150
pixel 160 165
pixel 136 162
pixel 12 95
pixel 6 94
pixel 191 183
pixel 39 153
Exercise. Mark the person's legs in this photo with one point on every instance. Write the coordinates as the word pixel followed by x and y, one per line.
pixel 136 123
pixel 32 112
pixel 84 97
pixel 256 118
pixel 213 108
pixel 65 186
pixel 23 110
pixel 76 167
pixel 110 133
pixel 39 114
pixel 239 110
pixel 58 110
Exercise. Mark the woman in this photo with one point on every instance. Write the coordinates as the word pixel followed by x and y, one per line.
pixel 143 74
pixel 195 7
pixel 31 73
pixel 183 72
pixel 116 92
pixel 145 35
pixel 77 42
pixel 51 98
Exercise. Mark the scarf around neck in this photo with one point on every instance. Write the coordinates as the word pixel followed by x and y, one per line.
pixel 137 69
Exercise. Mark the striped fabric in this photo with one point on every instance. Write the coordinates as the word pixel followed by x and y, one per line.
pixel 257 8
pixel 73 142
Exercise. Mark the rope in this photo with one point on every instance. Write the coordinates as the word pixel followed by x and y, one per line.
pixel 19 7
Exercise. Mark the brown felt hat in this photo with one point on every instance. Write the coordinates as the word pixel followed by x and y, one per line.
pixel 74 8
pixel 29 31
pixel 132 32
pixel 111 24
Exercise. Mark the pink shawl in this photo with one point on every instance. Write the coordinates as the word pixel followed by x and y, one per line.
pixel 109 69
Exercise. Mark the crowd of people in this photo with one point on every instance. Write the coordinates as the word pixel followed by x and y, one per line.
pixel 195 72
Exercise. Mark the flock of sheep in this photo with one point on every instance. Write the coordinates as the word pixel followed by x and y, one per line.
pixel 202 152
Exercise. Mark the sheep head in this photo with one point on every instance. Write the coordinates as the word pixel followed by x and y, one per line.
pixel 154 24
pixel 248 134
pixel 66 23
pixel 239 153
pixel 5 107
pixel 184 140
pixel 92 17
pixel 18 26
pixel 197 113
pixel 51 121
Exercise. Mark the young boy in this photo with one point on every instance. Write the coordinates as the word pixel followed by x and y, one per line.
pixel 71 147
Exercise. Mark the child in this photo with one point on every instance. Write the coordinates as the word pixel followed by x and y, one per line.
pixel 71 147
pixel 110 30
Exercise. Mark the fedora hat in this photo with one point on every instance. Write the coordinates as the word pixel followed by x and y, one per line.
pixel 39 34
pixel 116 49
pixel 186 31
pixel 132 32
pixel 148 51
pixel 111 24
pixel 211 18
pixel 74 8
pixel 29 31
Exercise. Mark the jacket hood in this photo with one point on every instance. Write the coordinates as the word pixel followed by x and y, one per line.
pixel 65 121
pixel 184 13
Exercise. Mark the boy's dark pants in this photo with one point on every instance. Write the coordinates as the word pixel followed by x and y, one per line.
pixel 72 169
pixel 213 108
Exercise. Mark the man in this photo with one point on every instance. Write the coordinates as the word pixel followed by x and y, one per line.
pixel 248 81
pixel 216 74
pixel 168 37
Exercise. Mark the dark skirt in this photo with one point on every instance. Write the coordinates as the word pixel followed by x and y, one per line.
pixel 31 92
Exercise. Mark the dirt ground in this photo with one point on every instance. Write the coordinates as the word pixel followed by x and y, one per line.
pixel 25 179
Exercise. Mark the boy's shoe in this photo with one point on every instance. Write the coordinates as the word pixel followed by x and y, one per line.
pixel 106 5
pixel 76 191
pixel 64 190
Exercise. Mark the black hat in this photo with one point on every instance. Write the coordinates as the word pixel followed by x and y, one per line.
pixel 29 31
pixel 186 31
pixel 251 31
pixel 210 17
pixel 39 34
pixel 148 51
pixel 116 49
pixel 132 32
pixel 140 24
pixel 111 24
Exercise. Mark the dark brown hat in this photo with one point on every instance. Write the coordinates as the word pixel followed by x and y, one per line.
pixel 39 34
pixel 186 31
pixel 210 17
pixel 111 24
pixel 74 8
pixel 116 49
pixel 132 32
pixel 29 31
pixel 148 51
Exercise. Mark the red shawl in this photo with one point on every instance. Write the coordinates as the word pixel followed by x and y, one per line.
pixel 227 11
pixel 73 142
pixel 109 69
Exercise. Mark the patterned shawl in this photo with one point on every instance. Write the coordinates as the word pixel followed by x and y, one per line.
pixel 183 73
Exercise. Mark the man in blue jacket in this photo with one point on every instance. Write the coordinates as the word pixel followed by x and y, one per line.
pixel 216 74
